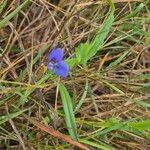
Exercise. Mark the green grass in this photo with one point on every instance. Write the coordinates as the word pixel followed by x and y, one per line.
pixel 104 102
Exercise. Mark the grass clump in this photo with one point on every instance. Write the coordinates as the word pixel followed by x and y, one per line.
pixel 103 103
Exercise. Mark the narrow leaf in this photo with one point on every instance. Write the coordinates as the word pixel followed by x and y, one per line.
pixel 141 125
pixel 82 98
pixel 4 119
pixel 3 5
pixel 116 62
pixel 12 14
pixel 100 37
pixel 68 110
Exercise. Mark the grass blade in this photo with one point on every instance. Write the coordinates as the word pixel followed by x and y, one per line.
pixel 82 98
pixel 3 5
pixel 100 37
pixel 4 22
pixel 68 110
pixel 137 10
pixel 113 87
pixel 117 61
pixel 96 145
pixel 4 119
pixel 141 125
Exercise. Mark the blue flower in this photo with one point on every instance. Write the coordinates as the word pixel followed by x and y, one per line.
pixel 56 63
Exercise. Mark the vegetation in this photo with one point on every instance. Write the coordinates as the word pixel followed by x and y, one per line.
pixel 103 104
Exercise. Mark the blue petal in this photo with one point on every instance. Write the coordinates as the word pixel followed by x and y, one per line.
pixel 56 55
pixel 50 66
pixel 62 69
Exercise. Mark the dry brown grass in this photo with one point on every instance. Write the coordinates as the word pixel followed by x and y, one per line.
pixel 120 92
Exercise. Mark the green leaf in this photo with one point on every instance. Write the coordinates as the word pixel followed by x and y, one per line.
pixel 112 125
pixel 98 41
pixel 112 6
pixel 113 87
pixel 3 5
pixel 136 11
pixel 143 104
pixel 72 62
pixel 97 145
pixel 4 119
pixel 82 52
pixel 86 51
pixel 4 22
pixel 116 62
pixel 81 101
pixel 68 110
pixel 141 125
